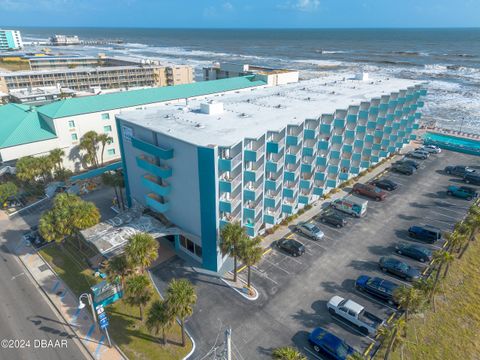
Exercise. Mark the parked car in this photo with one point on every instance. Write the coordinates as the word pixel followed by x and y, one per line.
pixel 310 230
pixel 325 343
pixel 414 251
pixel 422 150
pixel 427 150
pixel 402 168
pixel 472 178
pixel 462 192
pixel 384 184
pixel 410 162
pixel 398 268
pixel 417 155
pixel 333 218
pixel 432 148
pixel 377 287
pixel 355 314
pixel 351 205
pixel 291 246
pixel 370 191
pixel 459 170
pixel 425 233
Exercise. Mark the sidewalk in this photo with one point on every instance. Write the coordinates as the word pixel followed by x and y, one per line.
pixel 66 303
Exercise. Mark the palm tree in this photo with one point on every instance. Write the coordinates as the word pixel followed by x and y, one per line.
pixel 89 143
pixel 472 224
pixel 141 250
pixel 138 292
pixel 287 353
pixel 115 180
pixel 394 335
pixel 251 253
pixel 119 268
pixel 103 139
pixel 181 298
pixel 159 317
pixel 27 168
pixel 409 299
pixel 56 156
pixel 233 235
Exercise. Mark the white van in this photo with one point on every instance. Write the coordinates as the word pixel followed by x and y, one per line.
pixel 351 205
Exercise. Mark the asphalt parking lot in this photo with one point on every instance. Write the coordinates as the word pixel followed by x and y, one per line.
pixel 294 291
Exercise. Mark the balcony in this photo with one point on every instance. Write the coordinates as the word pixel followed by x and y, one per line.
pixel 228 164
pixel 147 164
pixel 274 146
pixel 309 134
pixel 156 203
pixel 254 154
pixel 229 183
pixel 253 226
pixel 253 173
pixel 151 149
pixel 229 205
pixel 155 185
pixel 273 181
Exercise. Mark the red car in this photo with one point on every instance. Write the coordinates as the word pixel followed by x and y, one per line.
pixel 370 191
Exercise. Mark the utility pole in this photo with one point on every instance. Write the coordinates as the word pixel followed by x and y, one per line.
pixel 228 343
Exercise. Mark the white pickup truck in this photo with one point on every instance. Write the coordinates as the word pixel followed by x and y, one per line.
pixel 355 314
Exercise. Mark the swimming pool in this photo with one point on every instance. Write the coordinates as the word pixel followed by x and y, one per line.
pixel 454 143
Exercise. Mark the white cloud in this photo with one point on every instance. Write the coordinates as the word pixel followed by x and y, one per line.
pixel 300 5
pixel 227 6
pixel 37 5
pixel 213 11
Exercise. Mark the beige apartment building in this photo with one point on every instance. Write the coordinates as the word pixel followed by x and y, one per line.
pixel 101 77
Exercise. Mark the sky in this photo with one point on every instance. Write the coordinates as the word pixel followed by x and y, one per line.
pixel 241 13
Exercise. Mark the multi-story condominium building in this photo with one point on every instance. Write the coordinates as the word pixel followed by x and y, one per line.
pixel 228 70
pixel 36 130
pixel 73 62
pixel 65 40
pixel 109 77
pixel 259 155
pixel 10 40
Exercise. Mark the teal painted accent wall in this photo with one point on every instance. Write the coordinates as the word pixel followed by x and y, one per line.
pixel 208 218
pixel 124 164
pixel 152 149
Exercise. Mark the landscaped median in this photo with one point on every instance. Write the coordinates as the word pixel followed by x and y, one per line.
pixel 126 328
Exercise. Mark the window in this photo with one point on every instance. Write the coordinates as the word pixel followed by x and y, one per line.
pixel 190 246
pixel 105 116
pixel 71 124
pixel 111 152
pixel 74 137
pixel 107 128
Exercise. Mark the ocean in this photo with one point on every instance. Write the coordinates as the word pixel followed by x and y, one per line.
pixel 449 59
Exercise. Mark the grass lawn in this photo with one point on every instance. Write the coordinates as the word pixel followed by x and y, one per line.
pixel 453 331
pixel 14 65
pixel 126 329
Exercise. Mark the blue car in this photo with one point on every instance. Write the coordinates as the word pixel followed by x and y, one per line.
pixel 326 343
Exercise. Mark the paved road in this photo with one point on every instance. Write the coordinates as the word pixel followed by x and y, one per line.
pixel 294 291
pixel 24 312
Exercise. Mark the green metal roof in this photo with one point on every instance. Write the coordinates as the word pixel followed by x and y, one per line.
pixel 20 124
pixel 90 104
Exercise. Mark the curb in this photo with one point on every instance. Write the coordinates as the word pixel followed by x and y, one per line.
pixel 240 292
pixel 83 346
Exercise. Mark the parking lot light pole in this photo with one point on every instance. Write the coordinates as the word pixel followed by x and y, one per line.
pixel 81 304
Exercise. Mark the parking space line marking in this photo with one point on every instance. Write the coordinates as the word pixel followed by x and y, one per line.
pixel 447 216
pixel 312 353
pixel 352 328
pixel 368 349
pixel 389 320
pixel 454 205
pixel 276 265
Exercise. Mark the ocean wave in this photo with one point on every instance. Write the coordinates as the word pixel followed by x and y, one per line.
pixel 321 51
pixel 410 53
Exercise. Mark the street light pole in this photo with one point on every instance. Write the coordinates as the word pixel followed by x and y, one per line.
pixel 90 301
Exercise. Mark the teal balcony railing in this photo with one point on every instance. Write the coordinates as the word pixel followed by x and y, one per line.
pixel 160 171
pixel 151 149
pixel 156 203
pixel 154 184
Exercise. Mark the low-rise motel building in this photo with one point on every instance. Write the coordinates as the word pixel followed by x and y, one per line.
pixel 36 130
pixel 260 153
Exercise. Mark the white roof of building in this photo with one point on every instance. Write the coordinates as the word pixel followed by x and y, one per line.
pixel 252 112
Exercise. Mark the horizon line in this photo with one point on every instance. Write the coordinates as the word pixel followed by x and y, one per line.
pixel 247 28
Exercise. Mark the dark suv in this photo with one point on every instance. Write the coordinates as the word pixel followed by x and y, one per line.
pixel 472 178
pixel 403 168
pixel 333 218
pixel 459 170
pixel 426 233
